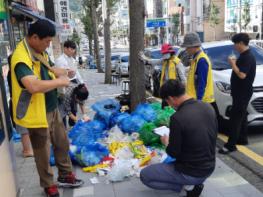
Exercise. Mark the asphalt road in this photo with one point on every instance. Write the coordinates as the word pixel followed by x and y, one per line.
pixel 256 139
pixel 248 161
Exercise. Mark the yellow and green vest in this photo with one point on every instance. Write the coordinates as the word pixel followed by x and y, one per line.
pixel 35 114
pixel 171 63
pixel 190 86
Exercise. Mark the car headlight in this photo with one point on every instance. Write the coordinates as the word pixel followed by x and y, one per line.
pixel 223 87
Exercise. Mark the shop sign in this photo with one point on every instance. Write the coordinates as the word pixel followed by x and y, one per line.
pixel 155 23
pixel 63 11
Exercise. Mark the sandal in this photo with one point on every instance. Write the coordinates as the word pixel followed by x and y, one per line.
pixel 28 154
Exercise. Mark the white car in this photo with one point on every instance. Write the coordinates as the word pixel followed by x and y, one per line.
pixel 218 53
pixel 123 67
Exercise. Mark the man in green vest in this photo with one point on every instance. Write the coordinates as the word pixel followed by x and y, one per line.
pixel 34 99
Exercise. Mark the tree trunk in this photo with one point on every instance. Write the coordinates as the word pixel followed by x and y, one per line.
pixel 96 39
pixel 214 33
pixel 90 45
pixel 159 14
pixel 137 78
pixel 107 44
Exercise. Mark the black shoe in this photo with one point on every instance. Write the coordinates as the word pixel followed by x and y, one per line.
pixel 70 181
pixel 196 191
pixel 225 151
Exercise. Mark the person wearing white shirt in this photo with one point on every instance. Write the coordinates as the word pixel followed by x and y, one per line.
pixel 67 61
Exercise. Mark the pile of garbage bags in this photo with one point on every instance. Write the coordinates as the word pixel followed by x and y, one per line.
pixel 118 144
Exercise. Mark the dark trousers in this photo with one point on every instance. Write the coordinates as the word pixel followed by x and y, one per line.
pixel 238 123
pixel 218 117
pixel 162 176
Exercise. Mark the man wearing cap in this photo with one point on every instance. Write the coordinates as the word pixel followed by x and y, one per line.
pixel 200 79
pixel 172 68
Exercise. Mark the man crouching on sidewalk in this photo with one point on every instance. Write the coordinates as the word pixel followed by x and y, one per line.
pixel 192 141
pixel 34 82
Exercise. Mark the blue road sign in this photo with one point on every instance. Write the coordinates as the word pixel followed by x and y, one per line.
pixel 155 23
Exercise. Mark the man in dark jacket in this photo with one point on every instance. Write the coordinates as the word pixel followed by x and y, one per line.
pixel 192 141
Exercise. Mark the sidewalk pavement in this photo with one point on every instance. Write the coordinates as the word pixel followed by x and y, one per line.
pixel 224 182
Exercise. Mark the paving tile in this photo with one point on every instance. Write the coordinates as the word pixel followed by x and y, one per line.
pixel 131 193
pixel 83 191
pixel 102 190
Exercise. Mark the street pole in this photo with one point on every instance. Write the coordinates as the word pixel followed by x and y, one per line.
pixel 167 22
pixel 240 8
pixel 262 20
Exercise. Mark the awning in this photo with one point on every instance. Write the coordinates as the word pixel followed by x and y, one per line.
pixel 20 9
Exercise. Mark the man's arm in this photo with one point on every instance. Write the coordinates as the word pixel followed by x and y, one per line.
pixel 79 77
pixel 148 60
pixel 34 85
pixel 239 73
pixel 180 69
pixel 28 80
pixel 82 108
pixel 60 68
pixel 202 72
pixel 175 139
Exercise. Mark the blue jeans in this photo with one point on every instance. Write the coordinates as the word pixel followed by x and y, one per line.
pixel 163 176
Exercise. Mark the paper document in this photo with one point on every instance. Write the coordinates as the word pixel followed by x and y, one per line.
pixel 162 131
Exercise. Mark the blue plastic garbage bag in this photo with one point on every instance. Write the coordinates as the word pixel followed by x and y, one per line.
pixel 92 154
pixel 133 123
pixel 90 131
pixel 117 118
pixel 146 111
pixel 76 130
pixel 16 136
pixel 169 159
pixel 52 157
pixel 95 125
pixel 88 137
pixel 73 150
pixel 106 108
pixel 100 119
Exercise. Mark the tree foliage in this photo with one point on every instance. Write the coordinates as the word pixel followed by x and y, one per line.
pixel 246 15
pixel 213 18
pixel 176 24
pixel 75 37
